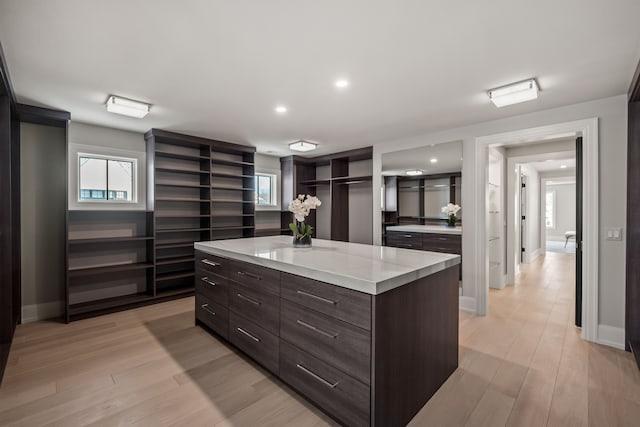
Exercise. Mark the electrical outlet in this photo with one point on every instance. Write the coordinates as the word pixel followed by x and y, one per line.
pixel 614 233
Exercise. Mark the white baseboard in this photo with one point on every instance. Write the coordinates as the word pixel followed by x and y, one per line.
pixel 47 310
pixel 468 304
pixel 611 336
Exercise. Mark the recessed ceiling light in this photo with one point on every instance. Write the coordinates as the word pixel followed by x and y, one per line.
pixel 414 172
pixel 127 107
pixel 563 166
pixel 281 109
pixel 342 83
pixel 303 145
pixel 434 160
pixel 514 93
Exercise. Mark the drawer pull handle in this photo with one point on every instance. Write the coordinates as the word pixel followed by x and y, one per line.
pixel 407 236
pixel 441 238
pixel 205 307
pixel 251 300
pixel 316 376
pixel 253 337
pixel 319 298
pixel 211 263
pixel 320 331
pixel 208 282
pixel 253 276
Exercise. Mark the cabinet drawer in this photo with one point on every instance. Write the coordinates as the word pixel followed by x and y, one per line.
pixel 344 304
pixel 335 392
pixel 252 275
pixel 340 344
pixel 211 264
pixel 259 307
pixel 213 315
pixel 213 287
pixel 262 346
pixel 404 240
pixel 442 243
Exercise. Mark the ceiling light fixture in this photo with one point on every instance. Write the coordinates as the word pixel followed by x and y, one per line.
pixel 341 84
pixel 414 172
pixel 281 109
pixel 127 107
pixel 434 160
pixel 514 93
pixel 303 146
pixel 563 166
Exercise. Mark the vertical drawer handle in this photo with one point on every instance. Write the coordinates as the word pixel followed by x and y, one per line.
pixel 207 281
pixel 253 276
pixel 251 300
pixel 253 337
pixel 211 263
pixel 316 376
pixel 318 330
pixel 307 294
pixel 205 307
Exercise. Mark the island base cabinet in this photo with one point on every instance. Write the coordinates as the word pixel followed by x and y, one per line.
pixel 344 398
pixel 260 345
pixel 212 315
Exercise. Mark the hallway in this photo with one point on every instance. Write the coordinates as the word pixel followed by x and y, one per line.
pixel 525 365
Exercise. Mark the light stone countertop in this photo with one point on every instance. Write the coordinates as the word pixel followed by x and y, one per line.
pixel 440 229
pixel 365 268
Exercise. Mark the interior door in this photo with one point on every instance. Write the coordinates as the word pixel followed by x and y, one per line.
pixel 523 216
pixel 579 231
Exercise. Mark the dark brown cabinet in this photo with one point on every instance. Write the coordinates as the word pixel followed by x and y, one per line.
pixel 364 359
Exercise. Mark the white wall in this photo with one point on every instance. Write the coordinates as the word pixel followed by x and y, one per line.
pixel 612 119
pixel 86 138
pixel 565 214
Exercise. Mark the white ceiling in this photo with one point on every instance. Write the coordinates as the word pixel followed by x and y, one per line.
pixel 218 68
pixel 449 156
pixel 554 165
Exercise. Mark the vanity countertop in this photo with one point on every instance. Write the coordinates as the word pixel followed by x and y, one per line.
pixel 439 229
pixel 365 268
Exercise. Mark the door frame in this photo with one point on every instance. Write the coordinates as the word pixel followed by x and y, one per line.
pixel 589 130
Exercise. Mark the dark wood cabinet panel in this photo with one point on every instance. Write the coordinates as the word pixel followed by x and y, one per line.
pixel 406 240
pixel 256 305
pixel 251 275
pixel 213 287
pixel 340 303
pixel 212 265
pixel 212 314
pixel 338 343
pixel 345 398
pixel 262 346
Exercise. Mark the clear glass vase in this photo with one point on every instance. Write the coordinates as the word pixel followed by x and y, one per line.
pixel 302 242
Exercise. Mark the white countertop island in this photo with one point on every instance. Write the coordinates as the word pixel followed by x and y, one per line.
pixel 438 229
pixel 364 268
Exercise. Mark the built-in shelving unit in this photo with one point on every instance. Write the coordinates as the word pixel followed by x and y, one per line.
pixel 200 189
pixel 339 180
pixel 109 261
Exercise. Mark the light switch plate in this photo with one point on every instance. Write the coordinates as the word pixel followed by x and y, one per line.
pixel 614 233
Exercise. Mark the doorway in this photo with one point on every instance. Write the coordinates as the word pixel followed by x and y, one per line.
pixel 589 268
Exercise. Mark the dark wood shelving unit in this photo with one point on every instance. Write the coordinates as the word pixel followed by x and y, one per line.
pixel 300 176
pixel 199 189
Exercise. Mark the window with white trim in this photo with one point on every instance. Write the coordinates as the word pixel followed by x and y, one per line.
pixel 106 179
pixel 550 209
pixel 266 193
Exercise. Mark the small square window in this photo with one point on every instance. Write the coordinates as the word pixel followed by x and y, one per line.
pixel 106 179
pixel 266 189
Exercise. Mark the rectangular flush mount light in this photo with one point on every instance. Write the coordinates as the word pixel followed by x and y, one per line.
pixel 514 93
pixel 127 107
pixel 303 146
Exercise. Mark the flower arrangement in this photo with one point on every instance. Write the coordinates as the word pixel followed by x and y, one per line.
pixel 452 211
pixel 301 207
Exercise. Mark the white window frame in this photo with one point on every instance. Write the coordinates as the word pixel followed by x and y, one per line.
pixel 139 178
pixel 275 189
pixel 134 179
pixel 553 214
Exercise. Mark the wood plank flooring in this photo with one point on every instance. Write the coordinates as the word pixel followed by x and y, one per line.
pixel 522 365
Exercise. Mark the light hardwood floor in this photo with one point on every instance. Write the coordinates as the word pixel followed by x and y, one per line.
pixel 523 364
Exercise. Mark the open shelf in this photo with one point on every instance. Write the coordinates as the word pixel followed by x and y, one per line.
pixel 166 184
pixel 219 161
pixel 110 240
pixel 231 175
pixel 180 230
pixel 174 260
pixel 180 156
pixel 107 303
pixel 171 276
pixel 178 199
pixel 224 187
pixel 182 216
pixel 175 245
pixel 174 292
pixel 183 170
pixel 233 227
pixel 115 268
pixel 231 201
